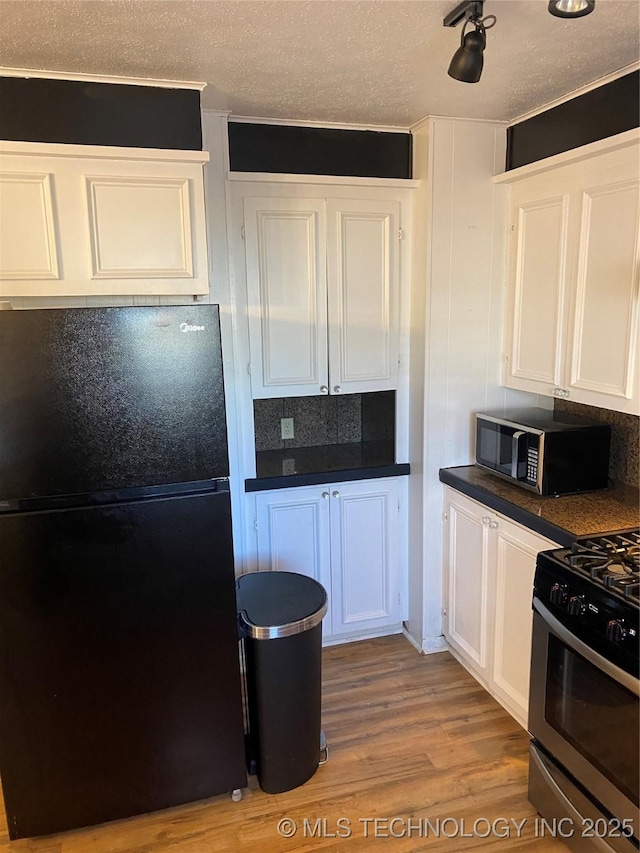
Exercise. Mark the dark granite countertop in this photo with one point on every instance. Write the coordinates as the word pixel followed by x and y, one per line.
pixel 328 463
pixel 562 519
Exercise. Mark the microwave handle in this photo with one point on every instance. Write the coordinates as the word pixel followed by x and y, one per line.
pixel 515 446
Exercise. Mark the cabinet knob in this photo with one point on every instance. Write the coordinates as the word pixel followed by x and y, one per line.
pixel 325 495
pixel 565 394
pixel 494 525
pixel 336 494
pixel 337 389
pixel 486 519
pixel 324 389
pixel 557 392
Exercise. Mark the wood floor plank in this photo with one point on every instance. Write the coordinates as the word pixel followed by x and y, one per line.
pixel 411 737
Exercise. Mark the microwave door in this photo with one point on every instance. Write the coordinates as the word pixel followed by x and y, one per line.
pixel 495 446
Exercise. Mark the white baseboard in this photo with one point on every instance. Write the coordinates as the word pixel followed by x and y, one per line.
pixel 369 635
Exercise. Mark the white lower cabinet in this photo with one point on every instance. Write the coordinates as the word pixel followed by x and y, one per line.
pixel 347 536
pixel 489 568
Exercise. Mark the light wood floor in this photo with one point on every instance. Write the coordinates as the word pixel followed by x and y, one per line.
pixel 410 737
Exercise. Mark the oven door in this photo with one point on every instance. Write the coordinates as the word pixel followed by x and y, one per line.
pixel 584 711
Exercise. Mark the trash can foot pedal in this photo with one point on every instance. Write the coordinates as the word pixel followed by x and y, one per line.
pixel 324 749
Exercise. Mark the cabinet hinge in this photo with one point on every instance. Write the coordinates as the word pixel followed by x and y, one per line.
pixel 400 233
pixel 398 504
pixel 399 600
pixel 242 231
pixel 513 227
pixel 249 368
pixel 445 516
pixel 506 358
pixel 255 524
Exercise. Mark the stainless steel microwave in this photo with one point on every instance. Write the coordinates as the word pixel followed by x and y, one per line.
pixel 551 453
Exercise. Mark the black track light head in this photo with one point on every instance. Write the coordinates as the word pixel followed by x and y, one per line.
pixel 468 60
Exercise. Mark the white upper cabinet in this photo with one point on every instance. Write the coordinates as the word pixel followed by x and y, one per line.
pixel 81 220
pixel 323 290
pixel 571 327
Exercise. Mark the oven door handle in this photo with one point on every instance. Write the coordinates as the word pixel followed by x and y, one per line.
pixel 624 678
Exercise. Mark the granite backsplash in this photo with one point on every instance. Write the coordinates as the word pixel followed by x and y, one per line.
pixel 325 420
pixel 624 465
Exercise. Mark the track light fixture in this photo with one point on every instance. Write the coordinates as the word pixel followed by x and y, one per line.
pixel 468 59
pixel 571 8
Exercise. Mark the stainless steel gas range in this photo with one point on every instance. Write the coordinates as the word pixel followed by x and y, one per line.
pixel 584 708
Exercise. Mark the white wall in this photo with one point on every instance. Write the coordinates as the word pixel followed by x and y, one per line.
pixel 458 287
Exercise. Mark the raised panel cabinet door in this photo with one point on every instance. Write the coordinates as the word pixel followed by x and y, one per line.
pixel 28 228
pixel 87 220
pixel 467 624
pixel 365 556
pixel 363 275
pixel 537 287
pixel 287 297
pixel 603 365
pixel 513 551
pixel 293 535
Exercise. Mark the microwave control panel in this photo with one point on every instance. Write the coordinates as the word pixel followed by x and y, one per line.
pixel 532 466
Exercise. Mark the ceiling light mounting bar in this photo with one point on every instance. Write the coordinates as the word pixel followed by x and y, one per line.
pixel 468 10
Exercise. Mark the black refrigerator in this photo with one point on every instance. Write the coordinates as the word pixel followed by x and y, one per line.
pixel 119 672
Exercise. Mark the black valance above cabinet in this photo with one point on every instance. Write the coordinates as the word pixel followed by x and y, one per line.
pixel 598 114
pixel 297 150
pixel 39 109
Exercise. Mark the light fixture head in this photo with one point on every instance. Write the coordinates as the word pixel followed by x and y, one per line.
pixel 571 8
pixel 468 59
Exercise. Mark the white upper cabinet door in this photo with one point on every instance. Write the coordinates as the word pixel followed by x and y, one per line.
pixel 512 559
pixel 603 362
pixel 365 559
pixel 538 270
pixel 82 220
pixel 28 236
pixel 287 297
pixel 363 287
pixel 293 535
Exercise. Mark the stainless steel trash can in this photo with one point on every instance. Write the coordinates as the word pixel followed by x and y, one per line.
pixel 280 618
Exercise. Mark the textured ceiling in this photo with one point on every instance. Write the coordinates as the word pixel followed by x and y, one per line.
pixel 380 62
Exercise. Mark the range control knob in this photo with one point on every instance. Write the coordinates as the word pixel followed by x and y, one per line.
pixel 616 630
pixel 558 594
pixel 576 606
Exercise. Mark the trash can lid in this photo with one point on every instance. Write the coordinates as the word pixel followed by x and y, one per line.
pixel 279 604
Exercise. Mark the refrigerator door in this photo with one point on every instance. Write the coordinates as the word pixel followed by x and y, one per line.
pixel 95 399
pixel 119 670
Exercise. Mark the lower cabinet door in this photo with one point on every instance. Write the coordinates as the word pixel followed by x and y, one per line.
pixel 293 535
pixel 365 556
pixel 513 563
pixel 466 623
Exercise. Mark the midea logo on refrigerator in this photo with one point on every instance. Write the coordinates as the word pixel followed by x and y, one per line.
pixel 186 327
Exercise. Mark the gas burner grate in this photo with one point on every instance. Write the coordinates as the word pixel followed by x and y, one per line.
pixel 612 561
